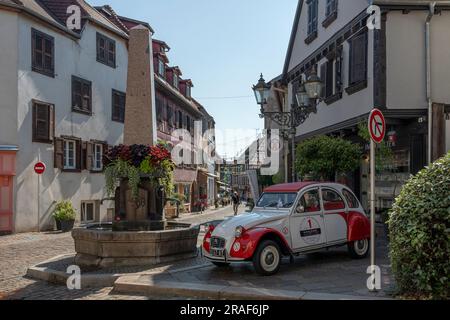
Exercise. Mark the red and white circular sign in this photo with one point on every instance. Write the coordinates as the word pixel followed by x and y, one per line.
pixel 377 126
pixel 39 168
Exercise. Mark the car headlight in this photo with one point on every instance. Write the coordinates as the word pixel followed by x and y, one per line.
pixel 239 232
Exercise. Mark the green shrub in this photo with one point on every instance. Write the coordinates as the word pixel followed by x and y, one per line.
pixel 64 211
pixel 419 227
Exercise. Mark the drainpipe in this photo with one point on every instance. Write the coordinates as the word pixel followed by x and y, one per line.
pixel 428 67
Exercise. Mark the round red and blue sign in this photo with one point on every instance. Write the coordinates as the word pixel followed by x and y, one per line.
pixel 377 126
pixel 39 168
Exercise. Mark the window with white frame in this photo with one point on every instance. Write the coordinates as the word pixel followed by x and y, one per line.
pixel 87 212
pixel 188 91
pixel 97 164
pixel 70 154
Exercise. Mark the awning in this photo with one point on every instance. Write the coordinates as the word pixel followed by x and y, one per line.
pixel 184 176
pixel 9 148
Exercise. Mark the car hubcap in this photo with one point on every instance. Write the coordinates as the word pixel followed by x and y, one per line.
pixel 270 258
pixel 361 247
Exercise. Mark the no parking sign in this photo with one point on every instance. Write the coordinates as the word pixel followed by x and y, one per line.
pixel 377 126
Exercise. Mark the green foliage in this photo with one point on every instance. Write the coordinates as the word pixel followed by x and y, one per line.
pixel 324 157
pixel 120 169
pixel 278 178
pixel 384 155
pixel 419 228
pixel 64 211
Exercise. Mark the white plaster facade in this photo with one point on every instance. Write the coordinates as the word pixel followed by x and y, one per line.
pixel 405 62
pixel 19 85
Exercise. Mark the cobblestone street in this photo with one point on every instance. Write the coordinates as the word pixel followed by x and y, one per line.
pixel 327 272
pixel 20 251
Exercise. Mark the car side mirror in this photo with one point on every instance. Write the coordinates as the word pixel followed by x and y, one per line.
pixel 300 209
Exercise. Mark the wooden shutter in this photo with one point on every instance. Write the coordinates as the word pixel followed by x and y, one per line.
pixel 58 153
pixel 78 153
pixel 329 78
pixel 323 77
pixel 338 67
pixel 105 151
pixel 43 122
pixel 84 155
pixel 358 64
pixel 111 53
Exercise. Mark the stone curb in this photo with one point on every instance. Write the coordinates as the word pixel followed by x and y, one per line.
pixel 91 280
pixel 135 285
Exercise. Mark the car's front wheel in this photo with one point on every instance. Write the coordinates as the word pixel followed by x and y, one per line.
pixel 267 258
pixel 359 249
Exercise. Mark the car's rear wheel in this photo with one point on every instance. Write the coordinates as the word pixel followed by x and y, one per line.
pixel 267 258
pixel 221 264
pixel 359 249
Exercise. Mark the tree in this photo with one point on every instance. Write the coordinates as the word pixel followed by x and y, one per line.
pixel 323 157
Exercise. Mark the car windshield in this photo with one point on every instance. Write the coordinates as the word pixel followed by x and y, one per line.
pixel 277 200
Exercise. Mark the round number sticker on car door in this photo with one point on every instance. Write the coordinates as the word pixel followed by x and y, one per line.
pixel 310 231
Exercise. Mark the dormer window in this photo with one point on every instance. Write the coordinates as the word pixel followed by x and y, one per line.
pixel 175 80
pixel 161 68
pixel 188 91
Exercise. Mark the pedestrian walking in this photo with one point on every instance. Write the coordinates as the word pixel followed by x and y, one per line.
pixel 236 202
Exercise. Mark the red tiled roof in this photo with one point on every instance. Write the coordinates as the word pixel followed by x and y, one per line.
pixel 58 9
pixel 289 187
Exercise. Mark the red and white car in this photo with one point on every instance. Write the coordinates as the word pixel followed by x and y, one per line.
pixel 289 220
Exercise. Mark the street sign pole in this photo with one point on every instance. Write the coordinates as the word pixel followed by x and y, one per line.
pixel 372 211
pixel 377 130
pixel 39 169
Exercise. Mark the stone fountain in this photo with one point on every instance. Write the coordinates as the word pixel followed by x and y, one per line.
pixel 140 235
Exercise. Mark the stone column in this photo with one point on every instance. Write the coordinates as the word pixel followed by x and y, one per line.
pixel 140 113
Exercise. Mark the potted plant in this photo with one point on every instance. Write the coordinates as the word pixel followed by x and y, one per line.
pixel 64 215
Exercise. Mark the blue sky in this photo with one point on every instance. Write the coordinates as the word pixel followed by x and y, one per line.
pixel 222 46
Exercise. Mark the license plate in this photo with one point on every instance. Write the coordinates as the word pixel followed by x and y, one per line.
pixel 217 253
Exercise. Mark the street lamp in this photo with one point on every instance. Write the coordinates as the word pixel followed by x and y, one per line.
pixel 307 96
pixel 313 85
pixel 262 92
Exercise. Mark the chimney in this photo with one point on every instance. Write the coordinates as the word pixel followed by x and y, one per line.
pixel 140 112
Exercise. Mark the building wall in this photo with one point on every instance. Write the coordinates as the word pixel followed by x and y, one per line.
pixel 350 106
pixel 347 10
pixel 406 68
pixel 72 58
pixel 8 77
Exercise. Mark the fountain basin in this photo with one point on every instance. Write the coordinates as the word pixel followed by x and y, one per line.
pixel 103 248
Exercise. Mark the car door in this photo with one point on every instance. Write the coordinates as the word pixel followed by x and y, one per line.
pixel 335 216
pixel 307 222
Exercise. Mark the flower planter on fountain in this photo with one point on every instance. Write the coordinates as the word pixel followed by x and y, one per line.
pixel 140 235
